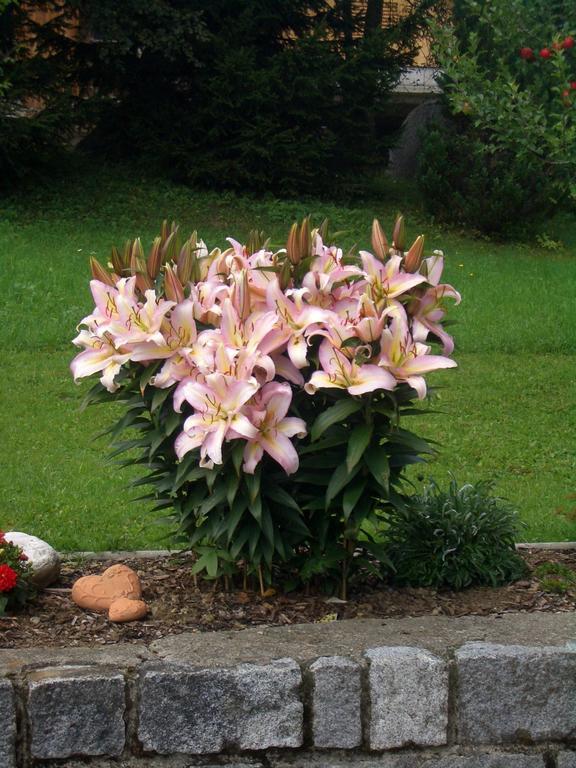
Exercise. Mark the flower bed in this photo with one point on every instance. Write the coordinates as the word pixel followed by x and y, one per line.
pixel 179 605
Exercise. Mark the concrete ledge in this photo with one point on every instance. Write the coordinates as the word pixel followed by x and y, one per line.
pixel 396 694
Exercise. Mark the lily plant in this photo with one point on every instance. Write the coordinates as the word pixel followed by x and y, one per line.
pixel 266 387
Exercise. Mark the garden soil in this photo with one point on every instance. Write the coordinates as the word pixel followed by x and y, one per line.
pixel 178 604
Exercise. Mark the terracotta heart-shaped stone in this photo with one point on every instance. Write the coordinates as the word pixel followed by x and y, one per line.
pixel 125 609
pixel 97 593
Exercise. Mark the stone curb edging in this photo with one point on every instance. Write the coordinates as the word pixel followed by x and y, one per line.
pixel 150 554
pixel 413 707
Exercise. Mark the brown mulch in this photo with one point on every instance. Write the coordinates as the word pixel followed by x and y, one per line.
pixel 52 619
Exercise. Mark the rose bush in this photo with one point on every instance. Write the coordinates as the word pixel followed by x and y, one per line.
pixel 506 72
pixel 15 573
pixel 267 386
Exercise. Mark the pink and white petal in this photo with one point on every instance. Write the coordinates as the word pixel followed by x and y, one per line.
pixel 292 427
pixel 297 351
pixel 427 363
pixel 322 380
pixel 108 375
pixel 402 283
pixel 212 444
pixel 445 338
pixel 253 453
pixel 287 370
pixel 419 384
pixel 239 392
pixel 281 449
pixel 434 268
pixel 185 443
pixel 193 392
pixel 276 398
pixel 370 378
pixel 243 426
pixel 448 291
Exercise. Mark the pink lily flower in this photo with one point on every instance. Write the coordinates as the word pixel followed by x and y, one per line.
pixel 297 318
pixel 387 281
pixel 433 267
pixel 99 354
pixel 274 429
pixel 341 373
pixel 406 359
pixel 429 314
pixel 217 404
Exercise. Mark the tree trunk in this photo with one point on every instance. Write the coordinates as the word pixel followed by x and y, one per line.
pixel 373 19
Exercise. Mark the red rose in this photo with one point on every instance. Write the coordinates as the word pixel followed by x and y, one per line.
pixel 568 42
pixel 8 578
pixel 573 85
pixel 527 54
pixel 545 53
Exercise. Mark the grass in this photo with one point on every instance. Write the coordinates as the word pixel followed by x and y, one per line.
pixel 509 409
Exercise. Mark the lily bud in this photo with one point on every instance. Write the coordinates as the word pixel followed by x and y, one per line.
pixel 305 239
pixel 413 258
pixel 137 250
pixel 399 234
pixel 293 245
pixel 117 262
pixel 138 268
pixel 379 241
pixel 172 285
pixel 99 273
pixel 154 261
pixel 285 275
pixel 185 265
pixel 170 247
pixel 241 293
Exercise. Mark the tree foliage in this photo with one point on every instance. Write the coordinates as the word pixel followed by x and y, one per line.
pixel 250 94
pixel 509 79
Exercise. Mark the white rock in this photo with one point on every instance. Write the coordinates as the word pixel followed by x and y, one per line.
pixel 43 558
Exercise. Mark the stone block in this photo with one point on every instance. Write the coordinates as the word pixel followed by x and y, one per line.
pixel 515 694
pixel 487 760
pixel 566 760
pixel 76 711
pixel 408 697
pixel 199 711
pixel 336 703
pixel 349 760
pixel 7 725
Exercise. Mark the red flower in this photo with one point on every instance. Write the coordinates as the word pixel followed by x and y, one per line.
pixel 527 54
pixel 545 53
pixel 23 556
pixel 573 85
pixel 2 539
pixel 568 42
pixel 8 578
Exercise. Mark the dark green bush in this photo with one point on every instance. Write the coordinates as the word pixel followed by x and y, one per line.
pixel 462 182
pixel 457 538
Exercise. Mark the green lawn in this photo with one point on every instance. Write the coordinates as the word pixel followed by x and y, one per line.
pixel 509 410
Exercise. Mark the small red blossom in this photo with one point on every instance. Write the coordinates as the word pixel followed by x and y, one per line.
pixel 573 85
pixel 23 556
pixel 545 53
pixel 568 42
pixel 527 54
pixel 8 578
